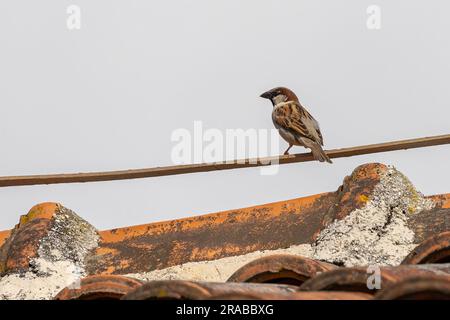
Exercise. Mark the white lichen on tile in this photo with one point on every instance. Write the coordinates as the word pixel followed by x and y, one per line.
pixel 70 238
pixel 60 260
pixel 42 282
pixel 377 233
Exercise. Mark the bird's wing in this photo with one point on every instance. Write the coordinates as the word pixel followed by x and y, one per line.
pixel 315 126
pixel 293 117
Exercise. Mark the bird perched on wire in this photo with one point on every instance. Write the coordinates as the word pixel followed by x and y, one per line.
pixel 294 123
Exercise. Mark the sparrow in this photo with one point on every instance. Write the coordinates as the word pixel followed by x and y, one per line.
pixel 294 123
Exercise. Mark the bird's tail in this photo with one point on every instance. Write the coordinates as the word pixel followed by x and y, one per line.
pixel 319 154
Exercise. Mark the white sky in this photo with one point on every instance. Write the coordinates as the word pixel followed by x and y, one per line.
pixel 108 96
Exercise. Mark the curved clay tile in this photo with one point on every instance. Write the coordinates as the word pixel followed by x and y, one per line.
pixel 313 295
pixel 179 289
pixel 421 288
pixel 356 279
pixel 280 268
pixel 46 228
pixel 433 250
pixel 219 288
pixel 99 288
pixel 240 296
pixel 342 279
pixel 429 223
pixel 168 290
pixel 23 241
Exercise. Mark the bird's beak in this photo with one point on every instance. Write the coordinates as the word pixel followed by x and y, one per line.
pixel 266 95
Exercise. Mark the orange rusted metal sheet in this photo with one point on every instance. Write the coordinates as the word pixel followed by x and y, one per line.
pixel 234 232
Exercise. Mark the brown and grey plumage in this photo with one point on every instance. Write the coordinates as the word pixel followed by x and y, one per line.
pixel 294 123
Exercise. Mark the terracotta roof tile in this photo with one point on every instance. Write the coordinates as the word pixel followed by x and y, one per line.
pixel 99 287
pixel 178 289
pixel 312 295
pixel 435 249
pixel 4 235
pixel 234 232
pixel 109 262
pixel 356 279
pixel 281 268
pixel 45 225
pixel 417 288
